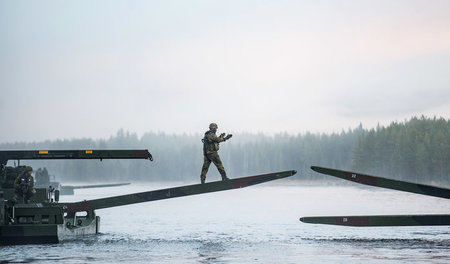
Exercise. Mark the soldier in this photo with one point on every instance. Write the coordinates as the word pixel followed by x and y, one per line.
pixel 38 176
pixel 24 185
pixel 210 148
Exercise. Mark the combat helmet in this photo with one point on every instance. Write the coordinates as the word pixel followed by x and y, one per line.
pixel 213 125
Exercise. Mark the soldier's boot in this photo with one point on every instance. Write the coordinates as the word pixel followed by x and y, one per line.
pixel 202 178
pixel 224 177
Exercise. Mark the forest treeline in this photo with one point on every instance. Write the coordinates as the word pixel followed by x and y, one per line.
pixel 417 150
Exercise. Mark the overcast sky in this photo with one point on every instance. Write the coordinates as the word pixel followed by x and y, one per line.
pixel 71 69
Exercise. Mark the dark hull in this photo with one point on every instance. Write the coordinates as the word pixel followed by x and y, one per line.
pixel 45 234
pixel 380 220
pixel 22 234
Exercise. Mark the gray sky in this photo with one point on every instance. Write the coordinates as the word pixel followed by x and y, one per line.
pixel 88 68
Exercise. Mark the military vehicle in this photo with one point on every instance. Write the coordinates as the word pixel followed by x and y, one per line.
pixel 44 219
pixel 383 220
pixel 44 180
pixel 70 190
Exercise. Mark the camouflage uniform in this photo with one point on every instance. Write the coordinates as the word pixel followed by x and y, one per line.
pixel 210 148
pixel 24 186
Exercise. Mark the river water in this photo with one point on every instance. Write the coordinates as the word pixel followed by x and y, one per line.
pixel 258 224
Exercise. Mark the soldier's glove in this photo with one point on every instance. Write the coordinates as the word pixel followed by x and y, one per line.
pixel 222 135
pixel 228 136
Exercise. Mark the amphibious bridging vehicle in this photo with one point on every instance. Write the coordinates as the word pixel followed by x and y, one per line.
pixel 45 220
pixel 383 220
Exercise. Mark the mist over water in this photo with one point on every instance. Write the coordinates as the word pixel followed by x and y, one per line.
pixel 252 225
pixel 413 151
